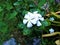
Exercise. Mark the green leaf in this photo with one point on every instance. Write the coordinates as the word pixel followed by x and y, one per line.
pixel 42 27
pixel 8 6
pixel 1 16
pixel 1 9
pixel 17 3
pixel 24 12
pixel 21 25
pixel 51 1
pixel 3 27
pixel 19 0
pixel 46 23
pixel 41 3
pixel 26 31
pixel 12 15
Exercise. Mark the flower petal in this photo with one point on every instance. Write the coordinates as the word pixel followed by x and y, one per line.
pixel 52 19
pixel 25 21
pixel 42 19
pixel 34 21
pixel 29 24
pixel 39 15
pixel 38 23
pixel 29 13
pixel 35 12
pixel 51 30
pixel 26 16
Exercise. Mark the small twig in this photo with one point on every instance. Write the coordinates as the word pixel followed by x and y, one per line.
pixel 57 12
pixel 54 14
pixel 57 42
pixel 55 22
pixel 52 34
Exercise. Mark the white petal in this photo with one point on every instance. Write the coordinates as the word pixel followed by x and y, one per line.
pixel 29 24
pixel 34 21
pixel 42 19
pixel 35 12
pixel 52 19
pixel 29 13
pixel 39 15
pixel 35 15
pixel 26 16
pixel 38 23
pixel 31 16
pixel 37 19
pixel 51 30
pixel 25 21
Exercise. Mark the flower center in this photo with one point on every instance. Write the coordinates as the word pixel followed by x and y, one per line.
pixel 29 19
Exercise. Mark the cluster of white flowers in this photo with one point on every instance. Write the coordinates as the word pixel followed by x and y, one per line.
pixel 33 18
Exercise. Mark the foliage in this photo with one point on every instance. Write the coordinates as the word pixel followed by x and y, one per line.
pixel 12 13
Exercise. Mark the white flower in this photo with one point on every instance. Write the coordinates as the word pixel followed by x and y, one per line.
pixel 38 17
pixel 33 18
pixel 51 30
pixel 29 19
pixel 52 19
